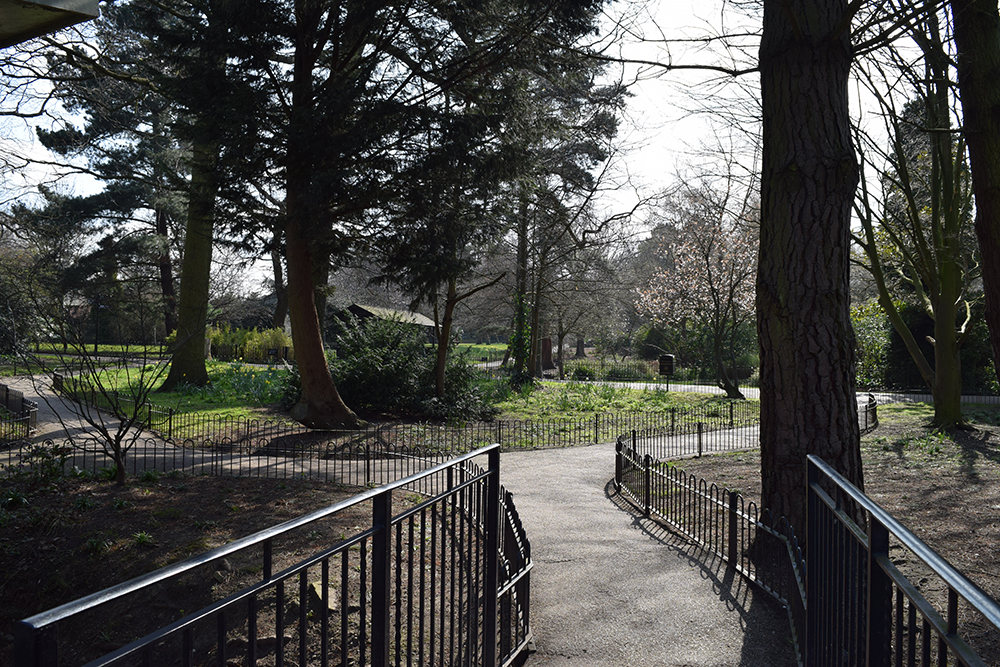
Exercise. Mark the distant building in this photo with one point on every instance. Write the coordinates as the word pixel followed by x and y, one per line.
pixel 363 312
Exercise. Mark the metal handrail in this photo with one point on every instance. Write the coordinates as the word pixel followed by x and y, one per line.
pixel 61 612
pixel 948 574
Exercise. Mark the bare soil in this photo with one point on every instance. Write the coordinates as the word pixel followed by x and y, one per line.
pixel 943 486
pixel 78 536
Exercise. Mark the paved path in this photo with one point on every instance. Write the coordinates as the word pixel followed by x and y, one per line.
pixel 613 588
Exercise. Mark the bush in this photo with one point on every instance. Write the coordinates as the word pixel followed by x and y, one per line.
pixel 387 367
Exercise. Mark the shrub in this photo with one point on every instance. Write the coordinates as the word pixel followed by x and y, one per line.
pixel 384 366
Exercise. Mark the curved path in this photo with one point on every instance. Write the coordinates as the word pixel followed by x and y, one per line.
pixel 613 588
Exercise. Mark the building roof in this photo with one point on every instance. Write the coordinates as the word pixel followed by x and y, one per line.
pixel 405 316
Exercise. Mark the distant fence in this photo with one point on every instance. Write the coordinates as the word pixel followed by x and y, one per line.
pixel 192 429
pixel 444 580
pixel 19 416
pixel 252 354
pixel 511 434
pixel 850 603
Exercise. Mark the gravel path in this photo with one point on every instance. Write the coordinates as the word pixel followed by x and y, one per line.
pixel 613 588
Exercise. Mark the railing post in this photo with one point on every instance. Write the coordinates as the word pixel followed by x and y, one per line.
pixel 647 462
pixel 492 562
pixel 732 552
pixel 381 576
pixel 35 647
pixel 701 427
pixel 368 464
pixel 812 540
pixel 879 610
pixel 618 465
pixel 597 427
pixel 732 422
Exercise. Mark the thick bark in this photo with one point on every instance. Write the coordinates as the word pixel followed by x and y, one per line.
pixel 809 174
pixel 977 37
pixel 187 365
pixel 320 405
pixel 444 337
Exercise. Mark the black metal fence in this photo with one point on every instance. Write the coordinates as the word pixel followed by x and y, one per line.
pixel 440 581
pixel 512 434
pixel 19 415
pixel 751 541
pixel 871 592
pixel 879 594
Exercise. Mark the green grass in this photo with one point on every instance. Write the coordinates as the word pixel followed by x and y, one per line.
pixel 234 389
pixel 570 400
pixel 477 350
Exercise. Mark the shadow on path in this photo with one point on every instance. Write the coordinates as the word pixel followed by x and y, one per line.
pixel 764 622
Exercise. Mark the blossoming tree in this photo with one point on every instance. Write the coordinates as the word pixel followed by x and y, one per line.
pixel 711 262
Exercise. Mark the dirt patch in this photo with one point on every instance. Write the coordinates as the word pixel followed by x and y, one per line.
pixel 943 486
pixel 71 537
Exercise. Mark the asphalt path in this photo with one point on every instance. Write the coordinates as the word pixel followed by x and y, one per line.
pixel 610 587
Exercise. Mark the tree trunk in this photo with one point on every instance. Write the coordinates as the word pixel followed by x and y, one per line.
pixel 320 405
pixel 166 275
pixel 977 37
pixel 444 337
pixel 320 281
pixel 727 384
pixel 809 174
pixel 581 348
pixel 947 387
pixel 187 365
pixel 521 334
pixel 280 291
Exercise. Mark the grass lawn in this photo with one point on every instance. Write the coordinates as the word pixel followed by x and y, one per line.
pixel 571 400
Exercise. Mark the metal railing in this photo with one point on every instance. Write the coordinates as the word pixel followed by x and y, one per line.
pixel 868 414
pixel 361 464
pixel 21 415
pixel 511 434
pixel 871 592
pixel 444 581
pixel 751 541
pixel 878 595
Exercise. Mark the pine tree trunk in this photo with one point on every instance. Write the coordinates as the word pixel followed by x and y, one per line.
pixel 187 365
pixel 444 337
pixel 809 174
pixel 977 36
pixel 521 334
pixel 280 292
pixel 320 405
pixel 166 275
